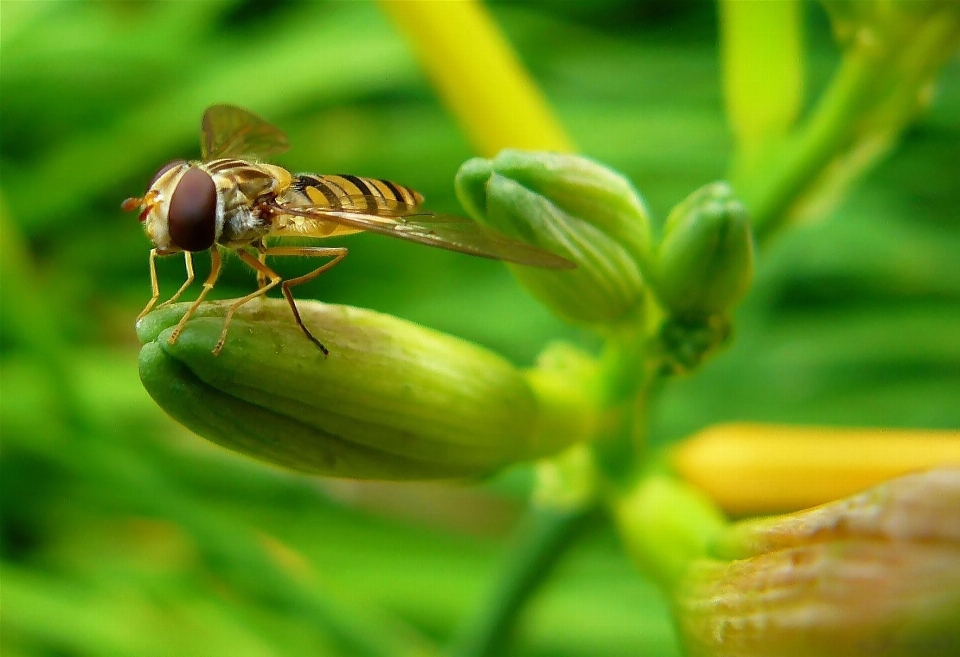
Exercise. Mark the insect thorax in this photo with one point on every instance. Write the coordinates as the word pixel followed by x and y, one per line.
pixel 243 186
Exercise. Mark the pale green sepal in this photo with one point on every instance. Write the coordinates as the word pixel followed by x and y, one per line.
pixel 666 525
pixel 471 186
pixel 392 401
pixel 686 342
pixel 575 208
pixel 705 259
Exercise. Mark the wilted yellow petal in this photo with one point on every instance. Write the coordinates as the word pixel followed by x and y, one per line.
pixel 876 574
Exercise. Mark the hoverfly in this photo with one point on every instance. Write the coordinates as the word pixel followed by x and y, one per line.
pixel 232 200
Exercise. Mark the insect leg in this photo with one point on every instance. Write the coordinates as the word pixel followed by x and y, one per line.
pixel 262 270
pixel 188 260
pixel 337 253
pixel 154 285
pixel 262 258
pixel 215 263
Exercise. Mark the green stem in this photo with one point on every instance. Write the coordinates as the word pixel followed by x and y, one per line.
pixel 631 371
pixel 628 376
pixel 543 538
pixel 875 92
pixel 771 195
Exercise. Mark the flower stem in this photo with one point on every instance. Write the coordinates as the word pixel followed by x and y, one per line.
pixel 540 542
pixel 877 89
pixel 771 196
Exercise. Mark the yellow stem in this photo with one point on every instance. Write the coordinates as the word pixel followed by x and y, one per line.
pixel 478 75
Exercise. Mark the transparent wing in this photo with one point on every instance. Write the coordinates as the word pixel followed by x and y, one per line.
pixel 228 131
pixel 407 222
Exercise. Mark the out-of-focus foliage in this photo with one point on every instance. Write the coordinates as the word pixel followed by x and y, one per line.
pixel 124 534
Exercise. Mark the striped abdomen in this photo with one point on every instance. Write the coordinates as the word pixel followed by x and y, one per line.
pixel 352 192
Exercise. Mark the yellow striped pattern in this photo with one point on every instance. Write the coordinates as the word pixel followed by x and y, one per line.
pixel 353 192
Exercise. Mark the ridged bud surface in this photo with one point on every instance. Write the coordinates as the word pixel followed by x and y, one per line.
pixel 705 259
pixel 393 400
pixel 576 208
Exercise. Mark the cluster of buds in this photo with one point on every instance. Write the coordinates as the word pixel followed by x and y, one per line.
pixel 878 573
pixel 701 267
pixel 398 401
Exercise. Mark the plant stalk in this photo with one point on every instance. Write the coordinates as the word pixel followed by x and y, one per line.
pixel 542 539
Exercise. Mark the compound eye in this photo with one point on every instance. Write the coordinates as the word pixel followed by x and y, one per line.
pixel 192 217
pixel 166 167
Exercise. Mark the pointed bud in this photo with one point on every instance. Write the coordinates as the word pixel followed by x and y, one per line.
pixel 874 574
pixel 392 401
pixel 574 207
pixel 705 260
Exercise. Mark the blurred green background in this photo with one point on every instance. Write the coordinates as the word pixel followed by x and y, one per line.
pixel 124 534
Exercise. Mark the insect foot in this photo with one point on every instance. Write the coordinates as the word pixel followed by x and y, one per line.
pixel 394 400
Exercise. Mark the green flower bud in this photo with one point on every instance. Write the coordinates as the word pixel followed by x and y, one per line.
pixel 705 260
pixel 577 208
pixel 392 401
pixel 874 574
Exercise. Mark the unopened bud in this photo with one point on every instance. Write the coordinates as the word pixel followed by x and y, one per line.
pixel 705 260
pixel 393 400
pixel 577 208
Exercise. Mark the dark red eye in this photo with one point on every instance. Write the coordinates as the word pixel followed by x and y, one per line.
pixel 192 217
pixel 166 167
